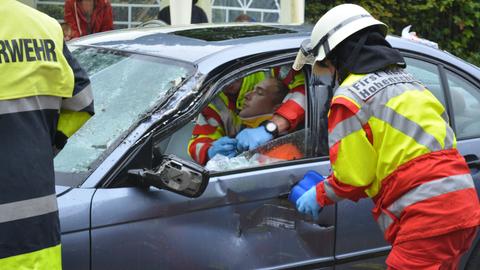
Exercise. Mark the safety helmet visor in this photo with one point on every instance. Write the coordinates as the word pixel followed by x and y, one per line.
pixel 305 55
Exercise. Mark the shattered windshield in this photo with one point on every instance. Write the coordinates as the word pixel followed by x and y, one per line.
pixel 125 87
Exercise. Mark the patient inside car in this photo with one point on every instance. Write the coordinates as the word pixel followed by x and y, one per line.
pixel 258 107
pixel 262 101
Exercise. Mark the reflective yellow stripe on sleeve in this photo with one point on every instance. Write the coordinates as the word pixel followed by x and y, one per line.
pixel 69 122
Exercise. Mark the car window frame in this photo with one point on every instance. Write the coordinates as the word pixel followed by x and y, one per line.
pixel 442 67
pixel 214 85
pixel 249 66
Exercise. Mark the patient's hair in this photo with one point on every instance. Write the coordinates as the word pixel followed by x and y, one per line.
pixel 282 91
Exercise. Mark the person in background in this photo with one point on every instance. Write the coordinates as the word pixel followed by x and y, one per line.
pixel 244 18
pixel 220 118
pixel 67 31
pixel 45 97
pixel 88 16
pixel 198 15
pixel 390 140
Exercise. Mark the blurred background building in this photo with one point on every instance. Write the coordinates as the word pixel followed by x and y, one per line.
pixel 130 13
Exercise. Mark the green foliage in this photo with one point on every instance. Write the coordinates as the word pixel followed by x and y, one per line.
pixel 54 11
pixel 453 24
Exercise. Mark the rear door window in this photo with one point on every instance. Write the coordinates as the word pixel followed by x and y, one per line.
pixel 428 74
pixel 466 105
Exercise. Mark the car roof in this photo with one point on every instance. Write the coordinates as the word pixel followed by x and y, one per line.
pixel 212 44
pixel 195 42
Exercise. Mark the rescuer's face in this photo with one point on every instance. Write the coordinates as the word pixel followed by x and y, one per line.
pixel 325 70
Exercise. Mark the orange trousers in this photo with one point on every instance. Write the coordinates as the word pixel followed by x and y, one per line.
pixel 441 252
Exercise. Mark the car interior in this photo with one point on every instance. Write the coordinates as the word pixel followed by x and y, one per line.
pixel 177 143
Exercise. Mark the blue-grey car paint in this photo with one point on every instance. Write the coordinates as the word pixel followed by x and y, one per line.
pixel 237 223
pixel 74 211
pixel 134 228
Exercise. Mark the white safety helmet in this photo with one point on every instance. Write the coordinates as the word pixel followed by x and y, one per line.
pixel 332 28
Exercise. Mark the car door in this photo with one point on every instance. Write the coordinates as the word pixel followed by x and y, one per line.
pixel 242 221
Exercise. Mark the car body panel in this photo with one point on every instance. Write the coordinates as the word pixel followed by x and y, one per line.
pixel 76 250
pixel 74 212
pixel 239 215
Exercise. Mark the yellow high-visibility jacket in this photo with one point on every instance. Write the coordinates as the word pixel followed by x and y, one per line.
pixel 44 98
pixel 390 140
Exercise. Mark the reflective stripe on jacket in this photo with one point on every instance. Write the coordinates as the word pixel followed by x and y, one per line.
pixel 30 105
pixel 390 140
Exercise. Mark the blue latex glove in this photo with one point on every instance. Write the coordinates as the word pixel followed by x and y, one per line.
pixel 224 146
pixel 307 203
pixel 251 138
pixel 310 179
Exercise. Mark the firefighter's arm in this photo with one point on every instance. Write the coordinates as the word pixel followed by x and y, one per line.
pixel 75 111
pixel 207 129
pixel 292 111
pixel 352 156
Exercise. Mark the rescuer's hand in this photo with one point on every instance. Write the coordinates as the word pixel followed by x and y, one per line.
pixel 251 138
pixel 307 203
pixel 309 180
pixel 224 146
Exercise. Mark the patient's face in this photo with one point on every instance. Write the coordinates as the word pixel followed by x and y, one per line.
pixel 262 100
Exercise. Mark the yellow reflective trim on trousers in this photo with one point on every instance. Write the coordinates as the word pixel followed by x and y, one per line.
pixel 45 259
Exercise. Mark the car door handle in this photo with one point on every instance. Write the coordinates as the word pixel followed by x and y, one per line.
pixel 472 161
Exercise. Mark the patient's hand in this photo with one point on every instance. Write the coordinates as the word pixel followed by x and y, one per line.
pixel 224 146
pixel 251 138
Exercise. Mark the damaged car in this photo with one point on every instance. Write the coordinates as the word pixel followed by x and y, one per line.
pixel 130 196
